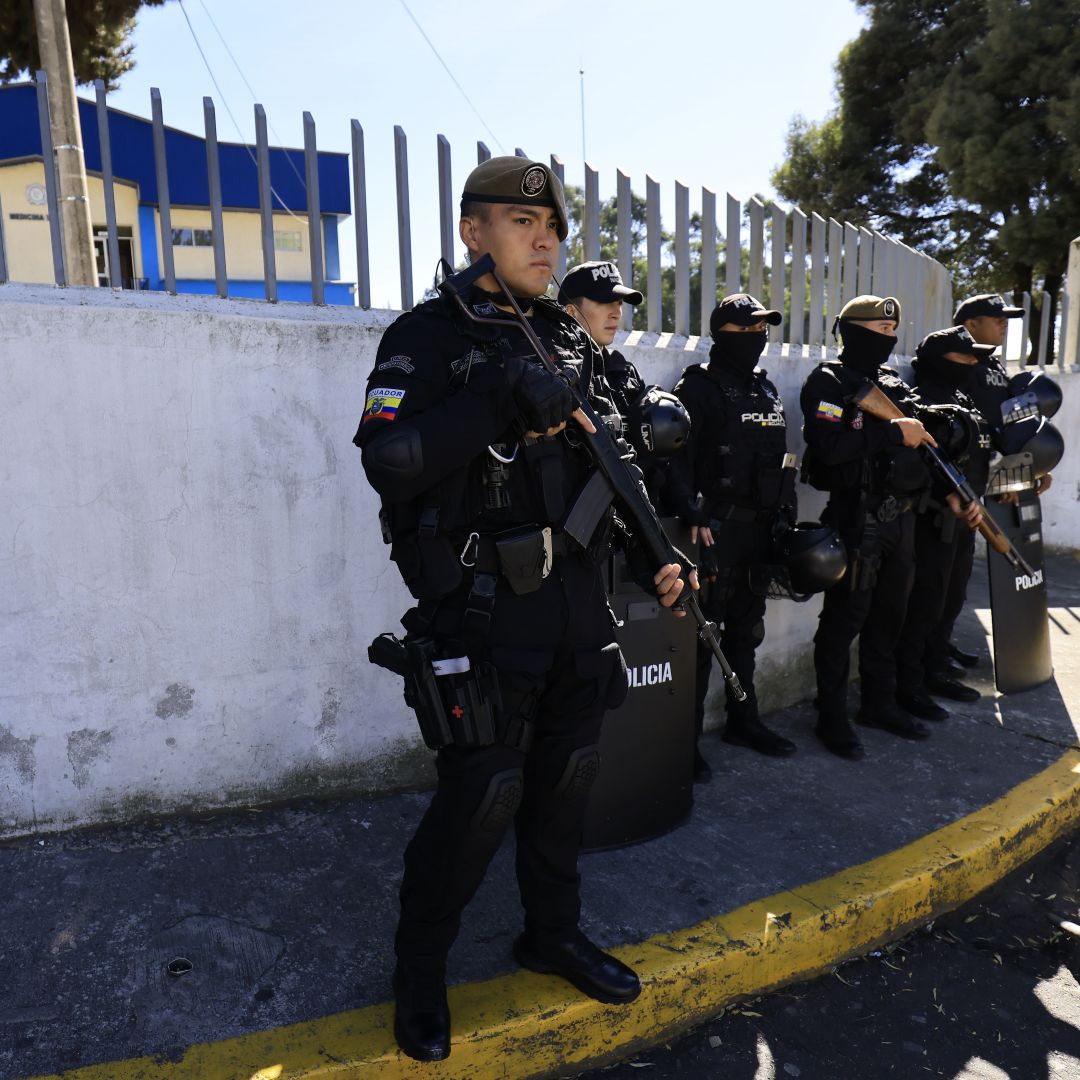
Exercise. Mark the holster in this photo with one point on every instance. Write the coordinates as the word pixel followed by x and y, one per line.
pixel 456 702
pixel 865 560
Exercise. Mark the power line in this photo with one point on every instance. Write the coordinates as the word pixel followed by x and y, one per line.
pixel 224 101
pixel 494 137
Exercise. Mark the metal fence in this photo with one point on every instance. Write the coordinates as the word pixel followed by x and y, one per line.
pixel 804 265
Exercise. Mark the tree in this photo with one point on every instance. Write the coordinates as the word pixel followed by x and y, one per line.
pixel 951 133
pixel 99 31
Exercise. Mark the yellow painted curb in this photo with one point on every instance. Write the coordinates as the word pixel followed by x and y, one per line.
pixel 524 1025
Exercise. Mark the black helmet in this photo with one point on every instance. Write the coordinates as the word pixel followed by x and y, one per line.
pixel 1047 392
pixel 1034 435
pixel 954 429
pixel 658 423
pixel 813 555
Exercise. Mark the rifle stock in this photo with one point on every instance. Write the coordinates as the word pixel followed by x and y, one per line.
pixel 872 399
pixel 607 459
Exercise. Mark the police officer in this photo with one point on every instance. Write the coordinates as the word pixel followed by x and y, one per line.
pixel 735 459
pixel 874 477
pixel 944 368
pixel 476 451
pixel 654 422
pixel 986 318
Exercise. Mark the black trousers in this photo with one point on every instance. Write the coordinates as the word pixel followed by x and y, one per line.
pixel 557 662
pixel 875 615
pixel 733 604
pixel 944 549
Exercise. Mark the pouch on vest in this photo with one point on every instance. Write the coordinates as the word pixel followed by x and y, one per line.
pixel 525 557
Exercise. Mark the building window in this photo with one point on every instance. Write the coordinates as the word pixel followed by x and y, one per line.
pixel 288 241
pixel 192 238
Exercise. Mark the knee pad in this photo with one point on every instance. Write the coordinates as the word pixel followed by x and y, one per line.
pixel 500 802
pixel 581 768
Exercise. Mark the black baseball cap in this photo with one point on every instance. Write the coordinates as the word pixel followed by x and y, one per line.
pixel 985 304
pixel 600 282
pixel 955 339
pixel 743 310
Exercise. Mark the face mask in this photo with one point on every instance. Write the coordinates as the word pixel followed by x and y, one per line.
pixel 739 352
pixel 865 350
pixel 953 375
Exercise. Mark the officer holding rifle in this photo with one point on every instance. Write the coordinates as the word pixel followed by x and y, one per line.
pixel 478 453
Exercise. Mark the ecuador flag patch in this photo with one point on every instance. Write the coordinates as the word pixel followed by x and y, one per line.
pixel 826 410
pixel 383 404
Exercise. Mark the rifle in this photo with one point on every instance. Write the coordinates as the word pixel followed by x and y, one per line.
pixel 607 458
pixel 871 399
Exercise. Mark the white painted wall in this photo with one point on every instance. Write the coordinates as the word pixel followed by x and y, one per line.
pixel 190 562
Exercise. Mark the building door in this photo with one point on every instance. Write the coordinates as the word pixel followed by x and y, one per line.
pixel 127 256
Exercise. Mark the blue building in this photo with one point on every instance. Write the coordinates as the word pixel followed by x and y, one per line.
pixel 25 210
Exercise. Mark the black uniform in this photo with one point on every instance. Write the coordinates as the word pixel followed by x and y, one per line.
pixel 944 545
pixel 874 483
pixel 627 389
pixel 734 458
pixel 552 649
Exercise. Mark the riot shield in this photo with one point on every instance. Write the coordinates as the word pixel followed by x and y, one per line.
pixel 1017 601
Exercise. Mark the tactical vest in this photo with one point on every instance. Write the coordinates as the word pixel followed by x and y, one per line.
pixel 739 450
pixel 515 482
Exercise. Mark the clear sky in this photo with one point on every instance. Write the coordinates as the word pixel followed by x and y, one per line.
pixel 700 91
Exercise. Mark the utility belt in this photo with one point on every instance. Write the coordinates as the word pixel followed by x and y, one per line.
pixel 732 512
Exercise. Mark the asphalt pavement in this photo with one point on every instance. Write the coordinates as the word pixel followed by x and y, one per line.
pixel 280 920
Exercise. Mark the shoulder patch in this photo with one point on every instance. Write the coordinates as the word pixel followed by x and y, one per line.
pixel 826 410
pixel 382 404
pixel 400 362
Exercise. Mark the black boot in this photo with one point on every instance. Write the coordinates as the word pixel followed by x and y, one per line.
pixel 919 703
pixel 750 731
pixel 839 738
pixel 889 718
pixel 421 1014
pixel 947 687
pixel 582 964
pixel 963 658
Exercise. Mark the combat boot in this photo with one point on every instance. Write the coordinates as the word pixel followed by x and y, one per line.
pixel 421 1014
pixel 839 737
pixel 889 718
pixel 750 731
pixel 582 964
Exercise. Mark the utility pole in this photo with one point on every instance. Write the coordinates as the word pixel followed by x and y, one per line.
pixel 54 46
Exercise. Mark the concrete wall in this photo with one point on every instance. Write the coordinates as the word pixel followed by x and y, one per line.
pixel 190 563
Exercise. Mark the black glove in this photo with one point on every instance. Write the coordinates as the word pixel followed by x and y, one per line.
pixel 643 570
pixel 544 400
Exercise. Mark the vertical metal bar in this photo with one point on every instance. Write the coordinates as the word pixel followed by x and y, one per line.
pixel 1044 331
pixel 625 240
pixel 733 247
pixel 866 263
pixel 482 153
pixel 49 161
pixel 850 286
pixel 401 166
pixel 798 277
pixel 591 239
pixel 559 169
pixel 682 259
pixel 266 206
pixel 835 275
pixel 3 249
pixel 708 257
pixel 1025 340
pixel 817 280
pixel 1063 316
pixel 918 300
pixel 757 248
pixel 652 253
pixel 314 211
pixel 363 265
pixel 777 243
pixel 217 218
pixel 115 278
pixel 161 168
pixel 878 269
pixel 446 201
